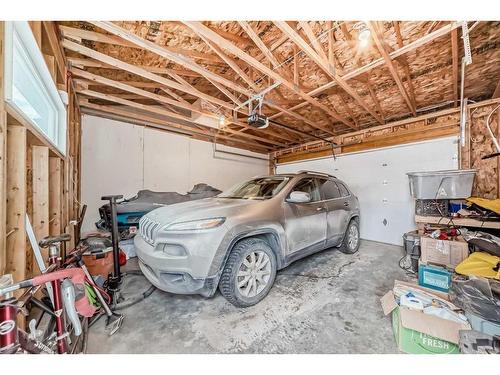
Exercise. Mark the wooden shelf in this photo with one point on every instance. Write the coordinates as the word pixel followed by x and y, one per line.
pixel 465 222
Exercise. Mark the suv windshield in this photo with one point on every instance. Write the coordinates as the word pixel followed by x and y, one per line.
pixel 259 188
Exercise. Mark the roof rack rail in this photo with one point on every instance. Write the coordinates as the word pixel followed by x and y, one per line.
pixel 316 173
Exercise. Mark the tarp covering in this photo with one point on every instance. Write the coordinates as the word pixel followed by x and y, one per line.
pixel 147 200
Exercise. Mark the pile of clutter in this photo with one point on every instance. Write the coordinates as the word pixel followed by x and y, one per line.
pixel 455 307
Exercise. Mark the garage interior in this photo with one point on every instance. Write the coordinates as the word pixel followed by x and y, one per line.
pixel 124 109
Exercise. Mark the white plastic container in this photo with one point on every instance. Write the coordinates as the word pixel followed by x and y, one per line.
pixel 452 184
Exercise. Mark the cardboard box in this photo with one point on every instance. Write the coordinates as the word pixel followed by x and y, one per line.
pixel 444 253
pixel 419 333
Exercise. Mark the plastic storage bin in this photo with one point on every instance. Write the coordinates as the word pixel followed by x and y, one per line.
pixel 452 184
pixel 482 325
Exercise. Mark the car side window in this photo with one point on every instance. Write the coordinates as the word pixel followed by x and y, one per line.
pixel 329 189
pixel 308 185
pixel 343 190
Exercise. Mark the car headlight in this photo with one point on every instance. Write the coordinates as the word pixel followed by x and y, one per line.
pixel 196 224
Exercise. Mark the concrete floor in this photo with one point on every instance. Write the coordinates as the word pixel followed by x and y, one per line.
pixel 326 303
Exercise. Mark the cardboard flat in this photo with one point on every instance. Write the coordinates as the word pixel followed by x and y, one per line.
pixel 432 325
pixel 442 252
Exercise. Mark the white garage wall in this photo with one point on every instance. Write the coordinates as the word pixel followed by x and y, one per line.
pixel 378 178
pixel 122 158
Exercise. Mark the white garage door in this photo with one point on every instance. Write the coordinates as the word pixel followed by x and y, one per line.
pixel 378 178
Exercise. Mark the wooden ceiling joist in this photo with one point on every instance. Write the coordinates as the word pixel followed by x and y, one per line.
pixel 379 62
pixel 161 99
pixel 141 72
pixel 348 36
pixel 405 64
pixel 172 56
pixel 325 66
pixel 223 43
pixel 377 37
pixel 79 34
pixel 183 61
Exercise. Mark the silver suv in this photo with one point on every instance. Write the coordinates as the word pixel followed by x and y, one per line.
pixel 239 239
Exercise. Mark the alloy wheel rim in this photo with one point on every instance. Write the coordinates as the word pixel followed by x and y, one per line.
pixel 253 274
pixel 353 237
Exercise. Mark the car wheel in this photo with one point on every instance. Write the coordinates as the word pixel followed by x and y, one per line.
pixel 351 241
pixel 249 273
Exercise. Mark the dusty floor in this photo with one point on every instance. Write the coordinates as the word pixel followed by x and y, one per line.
pixel 326 303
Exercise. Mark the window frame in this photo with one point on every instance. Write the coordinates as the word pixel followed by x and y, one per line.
pixel 315 182
pixel 20 41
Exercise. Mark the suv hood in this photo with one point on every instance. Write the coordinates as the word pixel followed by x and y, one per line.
pixel 199 209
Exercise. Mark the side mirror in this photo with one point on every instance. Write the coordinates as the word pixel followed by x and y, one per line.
pixel 299 197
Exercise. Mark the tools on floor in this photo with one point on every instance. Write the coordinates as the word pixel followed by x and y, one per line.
pixel 114 283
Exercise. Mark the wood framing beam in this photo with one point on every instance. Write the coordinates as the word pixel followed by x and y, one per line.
pixel 325 66
pixel 79 34
pixel 177 58
pixel 163 52
pixel 232 64
pixel 90 63
pixel 3 155
pixel 313 40
pixel 171 115
pixel 263 48
pixel 141 72
pixel 377 37
pixel 55 195
pixel 496 94
pixel 223 43
pixel 146 120
pixel 455 64
pixel 40 183
pixel 406 66
pixel 380 62
pixel 16 202
pixel 53 38
pixel 296 77
pixel 161 99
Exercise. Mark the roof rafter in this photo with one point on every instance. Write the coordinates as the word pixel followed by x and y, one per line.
pixel 390 65
pixel 188 63
pixel 74 33
pixel 379 62
pixel 404 63
pixel 223 43
pixel 325 66
pixel 141 72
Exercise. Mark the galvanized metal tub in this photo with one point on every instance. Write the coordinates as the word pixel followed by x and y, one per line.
pixel 450 184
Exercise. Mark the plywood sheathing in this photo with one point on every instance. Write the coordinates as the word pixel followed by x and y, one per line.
pixel 486 181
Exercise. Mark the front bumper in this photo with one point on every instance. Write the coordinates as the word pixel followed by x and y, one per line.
pixel 179 283
pixel 181 274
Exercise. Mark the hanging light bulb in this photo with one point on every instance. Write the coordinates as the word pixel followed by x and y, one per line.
pixel 363 34
pixel 222 121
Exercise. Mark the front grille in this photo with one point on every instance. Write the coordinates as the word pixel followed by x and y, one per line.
pixel 147 229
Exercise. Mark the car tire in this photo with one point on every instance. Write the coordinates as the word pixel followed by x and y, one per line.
pixel 249 272
pixel 350 243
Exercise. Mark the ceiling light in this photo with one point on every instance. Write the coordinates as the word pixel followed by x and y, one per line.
pixel 363 34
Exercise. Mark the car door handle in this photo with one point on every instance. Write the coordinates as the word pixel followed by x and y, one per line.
pixel 346 204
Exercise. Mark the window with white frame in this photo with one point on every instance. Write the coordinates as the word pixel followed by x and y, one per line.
pixel 29 87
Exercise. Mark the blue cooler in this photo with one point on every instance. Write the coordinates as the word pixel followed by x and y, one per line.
pixel 434 277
